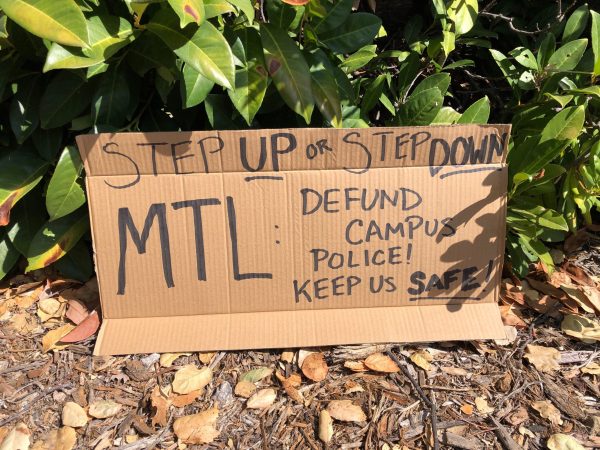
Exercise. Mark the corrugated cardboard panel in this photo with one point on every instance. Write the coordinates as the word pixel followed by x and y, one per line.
pixel 280 226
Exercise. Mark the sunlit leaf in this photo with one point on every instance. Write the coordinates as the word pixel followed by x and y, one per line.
pixel 358 30
pixel 65 194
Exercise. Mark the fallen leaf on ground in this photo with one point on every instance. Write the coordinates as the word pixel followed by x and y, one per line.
pixel 511 316
pixel 244 389
pixel 180 401
pixel 102 409
pixel 456 371
pixel 381 363
pixel 577 294
pixel 167 359
pixel 52 337
pixel 356 366
pixel 86 328
pixel 545 359
pixel 206 357
pixel 482 406
pixel 592 368
pixel 189 378
pixel 73 415
pixel 255 375
pixel 593 296
pixel 352 386
pixel 325 426
pixel 346 411
pixel 262 399
pixel 290 384
pixel 64 438
pixel 561 441
pixel 197 428
pixel 519 416
pixel 548 411
pixel 581 327
pixel 17 439
pixel 422 358
pixel 314 367
pixel 23 323
pixel 76 311
pixel 161 402
pixel 302 354
pixel 287 356
pixel 467 409
pixel 49 308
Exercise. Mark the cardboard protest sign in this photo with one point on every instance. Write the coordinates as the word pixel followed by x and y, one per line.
pixel 217 240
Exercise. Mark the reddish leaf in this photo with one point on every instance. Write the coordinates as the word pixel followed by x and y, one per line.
pixel 77 312
pixel 84 330
pixel 296 2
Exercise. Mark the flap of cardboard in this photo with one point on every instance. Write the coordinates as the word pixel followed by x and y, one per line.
pixel 278 238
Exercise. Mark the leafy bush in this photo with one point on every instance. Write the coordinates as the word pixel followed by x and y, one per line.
pixel 78 66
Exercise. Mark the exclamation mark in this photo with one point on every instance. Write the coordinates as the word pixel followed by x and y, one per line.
pixel 408 253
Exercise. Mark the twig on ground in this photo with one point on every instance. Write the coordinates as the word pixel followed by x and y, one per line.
pixel 504 436
pixel 29 405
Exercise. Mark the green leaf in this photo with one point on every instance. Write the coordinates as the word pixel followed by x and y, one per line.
pixel 336 15
pixel 251 79
pixel 65 98
pixel 255 375
pixel 507 67
pixel 537 249
pixel 64 194
pixel 421 108
pixel 576 24
pixel 24 116
pixel 324 88
pixel 357 31
pixel 8 255
pixel 189 11
pixel 525 57
pixel 26 218
pixel 54 239
pixel 284 16
pixel 446 115
pixel 110 102
pixel 57 20
pixel 288 69
pixel 464 14
pixel 21 171
pixel 567 57
pixel 204 47
pixel 194 87
pixel 567 124
pixel 360 58
pixel 214 8
pixel 547 47
pixel 107 35
pixel 438 80
pixel 246 7
pixel 595 36
pixel 478 112
pixel 47 142
pixel 150 52
pixel 373 93
pixel 77 263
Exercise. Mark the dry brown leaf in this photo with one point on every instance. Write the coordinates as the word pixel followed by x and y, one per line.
pixel 244 389
pixel 548 411
pixel 381 363
pixel 456 371
pixel 180 401
pixel 314 367
pixel 52 338
pixel 577 294
pixel 302 354
pixel 519 416
pixel 592 368
pixel 189 378
pixel 17 439
pixel 346 411
pixel 593 296
pixel 467 409
pixel 74 415
pixel 585 329
pixel 287 356
pixel 23 323
pixel 167 359
pixel 66 437
pixel 102 409
pixel 262 399
pixel 206 357
pixel 49 308
pixel 290 384
pixel 482 406
pixel 511 316
pixel 545 359
pixel 356 366
pixel 422 358
pixel 561 441
pixel 197 428
pixel 352 386
pixel 76 311
pixel 325 426
pixel 161 402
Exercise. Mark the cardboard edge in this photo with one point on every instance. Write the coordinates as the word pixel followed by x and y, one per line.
pixel 307 328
